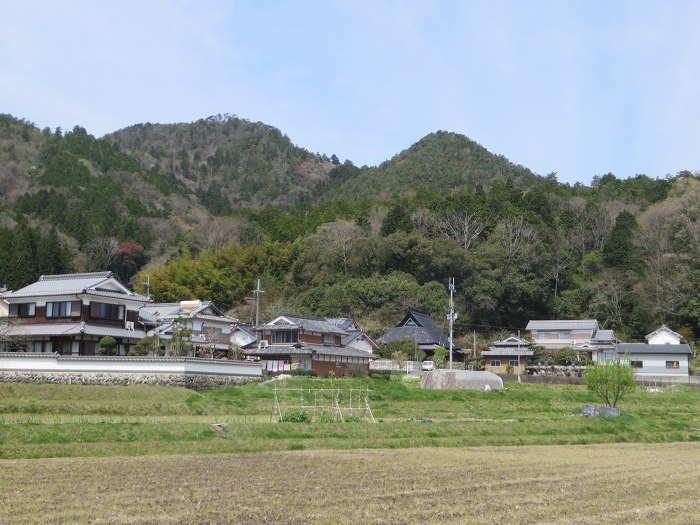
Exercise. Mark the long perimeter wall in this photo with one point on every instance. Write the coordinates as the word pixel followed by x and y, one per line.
pixel 186 372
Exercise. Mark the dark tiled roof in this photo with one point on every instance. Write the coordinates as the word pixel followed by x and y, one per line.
pixel 97 283
pixel 643 348
pixel 424 332
pixel 511 342
pixel 344 351
pixel 507 351
pixel 306 323
pixel 57 329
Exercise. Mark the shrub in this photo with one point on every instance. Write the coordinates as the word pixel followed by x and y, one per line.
pixel 440 357
pixel 330 374
pixel 302 372
pixel 108 346
pixel 384 375
pixel 567 356
pixel 353 419
pixel 356 370
pixel 326 418
pixel 301 416
pixel 146 346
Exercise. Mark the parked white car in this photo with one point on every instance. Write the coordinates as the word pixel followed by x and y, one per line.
pixel 427 366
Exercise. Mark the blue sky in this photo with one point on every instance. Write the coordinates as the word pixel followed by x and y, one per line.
pixel 574 87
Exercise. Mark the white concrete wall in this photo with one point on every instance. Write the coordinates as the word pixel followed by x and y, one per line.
pixel 32 362
pixel 664 338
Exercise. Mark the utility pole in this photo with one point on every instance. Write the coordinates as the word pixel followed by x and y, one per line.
pixel 257 293
pixel 452 314
pixel 147 282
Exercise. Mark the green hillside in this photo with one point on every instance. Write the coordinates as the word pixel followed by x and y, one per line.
pixel 442 161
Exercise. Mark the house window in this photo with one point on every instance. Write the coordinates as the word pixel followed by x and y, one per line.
pixel 26 309
pixel 636 364
pixel 116 312
pixel 495 363
pixel 672 364
pixel 63 347
pixel 338 364
pixel 328 339
pixel 58 309
pixel 513 362
pixel 285 336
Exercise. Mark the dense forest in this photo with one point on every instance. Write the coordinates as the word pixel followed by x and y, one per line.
pixel 208 207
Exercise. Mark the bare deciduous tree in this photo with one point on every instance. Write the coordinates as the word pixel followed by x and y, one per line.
pixel 462 226
pixel 337 239
pixel 100 253
pixel 219 232
pixel 515 234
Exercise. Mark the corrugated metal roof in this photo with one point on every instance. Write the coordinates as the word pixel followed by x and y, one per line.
pixel 643 348
pixel 574 324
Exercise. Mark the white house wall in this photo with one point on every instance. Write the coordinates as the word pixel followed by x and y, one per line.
pixel 557 339
pixel 655 364
pixel 361 344
pixel 663 338
pixel 652 364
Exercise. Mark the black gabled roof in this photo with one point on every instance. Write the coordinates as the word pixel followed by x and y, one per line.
pixel 417 326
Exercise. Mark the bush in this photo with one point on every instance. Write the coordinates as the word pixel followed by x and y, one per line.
pixel 326 418
pixel 356 370
pixel 301 416
pixel 353 419
pixel 384 375
pixel 330 374
pixel 108 346
pixel 440 356
pixel 302 372
pixel 567 356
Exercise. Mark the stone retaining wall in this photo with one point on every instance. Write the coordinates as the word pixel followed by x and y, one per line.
pixel 191 381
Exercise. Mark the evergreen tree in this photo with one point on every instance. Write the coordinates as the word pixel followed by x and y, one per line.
pixel 618 249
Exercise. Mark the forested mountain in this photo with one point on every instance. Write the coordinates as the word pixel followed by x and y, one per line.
pixel 442 160
pixel 210 206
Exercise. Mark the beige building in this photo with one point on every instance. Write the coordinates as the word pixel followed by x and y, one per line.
pixel 555 335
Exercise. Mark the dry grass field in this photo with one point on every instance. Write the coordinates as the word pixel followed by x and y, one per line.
pixel 614 483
